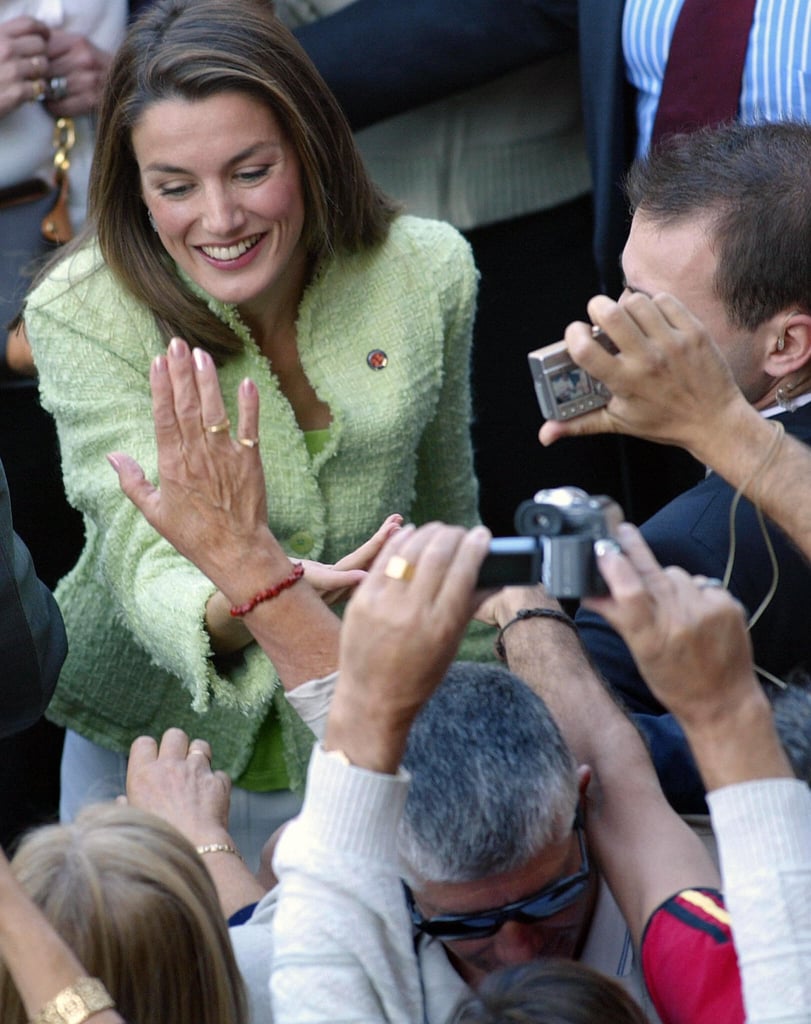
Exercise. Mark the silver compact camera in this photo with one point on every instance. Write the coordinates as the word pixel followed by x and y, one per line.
pixel 558 529
pixel 565 389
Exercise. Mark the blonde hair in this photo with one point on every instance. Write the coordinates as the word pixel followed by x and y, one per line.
pixel 132 899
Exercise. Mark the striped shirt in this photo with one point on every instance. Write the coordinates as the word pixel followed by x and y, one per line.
pixel 777 72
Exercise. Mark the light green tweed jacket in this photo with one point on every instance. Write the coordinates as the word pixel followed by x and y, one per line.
pixel 139 658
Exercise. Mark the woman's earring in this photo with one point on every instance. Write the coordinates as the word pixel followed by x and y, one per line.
pixel 152 220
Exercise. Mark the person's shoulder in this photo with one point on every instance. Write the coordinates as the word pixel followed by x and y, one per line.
pixel 422 265
pixel 76 279
pixel 81 289
pixel 435 239
pixel 693 515
pixel 437 257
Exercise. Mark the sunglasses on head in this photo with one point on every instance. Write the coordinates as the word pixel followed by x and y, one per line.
pixel 546 902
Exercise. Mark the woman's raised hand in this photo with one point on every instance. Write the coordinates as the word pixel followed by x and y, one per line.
pixel 211 504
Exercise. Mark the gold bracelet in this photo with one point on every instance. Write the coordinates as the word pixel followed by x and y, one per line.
pixel 76 1003
pixel 219 848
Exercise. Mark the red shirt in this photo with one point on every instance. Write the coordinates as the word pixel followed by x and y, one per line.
pixel 689 961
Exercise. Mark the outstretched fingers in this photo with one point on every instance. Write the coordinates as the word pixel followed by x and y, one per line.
pixel 363 556
pixel 248 425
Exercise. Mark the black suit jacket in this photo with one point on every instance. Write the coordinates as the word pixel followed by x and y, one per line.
pixel 32 636
pixel 693 532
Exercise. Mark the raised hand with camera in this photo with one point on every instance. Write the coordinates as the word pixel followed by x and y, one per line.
pixel 689 638
pixel 670 383
pixel 668 380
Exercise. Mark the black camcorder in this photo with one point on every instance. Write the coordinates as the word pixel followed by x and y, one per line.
pixel 558 528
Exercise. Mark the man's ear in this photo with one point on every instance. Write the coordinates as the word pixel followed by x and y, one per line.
pixel 789 347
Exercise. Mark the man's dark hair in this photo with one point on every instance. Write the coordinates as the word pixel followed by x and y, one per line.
pixel 551 991
pixel 753 185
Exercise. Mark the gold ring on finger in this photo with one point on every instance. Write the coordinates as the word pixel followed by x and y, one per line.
pixel 38 89
pixel 249 442
pixel 399 568
pixel 218 428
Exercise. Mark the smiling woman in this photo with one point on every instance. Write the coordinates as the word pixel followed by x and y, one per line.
pixel 231 215
pixel 229 207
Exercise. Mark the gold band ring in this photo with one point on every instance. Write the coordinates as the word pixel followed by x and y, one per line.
pixel 37 89
pixel 218 428
pixel 249 442
pixel 398 568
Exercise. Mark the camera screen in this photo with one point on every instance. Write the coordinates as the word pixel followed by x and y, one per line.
pixel 570 383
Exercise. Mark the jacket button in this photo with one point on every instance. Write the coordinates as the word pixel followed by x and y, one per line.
pixel 302 542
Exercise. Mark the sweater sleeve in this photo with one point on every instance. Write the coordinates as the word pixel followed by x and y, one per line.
pixel 688 959
pixel 343 949
pixel 93 347
pixel 763 830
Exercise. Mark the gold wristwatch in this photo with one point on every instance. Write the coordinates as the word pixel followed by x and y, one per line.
pixel 76 1003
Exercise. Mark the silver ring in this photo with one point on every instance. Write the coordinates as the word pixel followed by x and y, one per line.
pixel 58 88
pixel 710 582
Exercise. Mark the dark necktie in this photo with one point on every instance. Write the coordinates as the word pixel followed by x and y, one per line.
pixel 702 83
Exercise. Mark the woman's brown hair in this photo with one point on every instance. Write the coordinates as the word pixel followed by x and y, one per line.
pixel 191 50
pixel 550 991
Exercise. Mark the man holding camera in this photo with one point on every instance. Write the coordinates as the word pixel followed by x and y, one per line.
pixel 722 222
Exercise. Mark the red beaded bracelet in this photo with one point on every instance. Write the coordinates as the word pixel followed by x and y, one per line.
pixel 267 595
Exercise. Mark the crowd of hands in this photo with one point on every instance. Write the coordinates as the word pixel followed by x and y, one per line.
pixel 669 383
